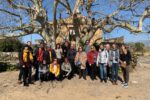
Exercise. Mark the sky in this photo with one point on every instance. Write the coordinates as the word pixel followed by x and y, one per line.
pixel 129 37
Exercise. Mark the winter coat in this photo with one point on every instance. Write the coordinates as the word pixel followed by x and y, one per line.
pixel 126 57
pixel 26 58
pixel 71 55
pixel 82 58
pixel 92 57
pixel 49 56
pixel 103 57
pixel 115 55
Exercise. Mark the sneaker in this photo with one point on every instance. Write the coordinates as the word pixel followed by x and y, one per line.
pixel 125 85
pixel 122 84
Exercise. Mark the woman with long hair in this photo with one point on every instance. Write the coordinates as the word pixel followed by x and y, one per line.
pixel 80 62
pixel 58 51
pixel 125 58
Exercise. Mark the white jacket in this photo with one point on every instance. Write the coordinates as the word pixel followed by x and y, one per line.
pixel 103 57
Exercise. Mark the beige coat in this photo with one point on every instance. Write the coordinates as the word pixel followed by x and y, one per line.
pixel 82 57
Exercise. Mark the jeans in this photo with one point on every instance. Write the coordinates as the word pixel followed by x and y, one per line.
pixel 103 72
pixel 114 72
pixel 43 72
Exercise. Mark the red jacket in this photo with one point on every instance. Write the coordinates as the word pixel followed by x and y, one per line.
pixel 91 55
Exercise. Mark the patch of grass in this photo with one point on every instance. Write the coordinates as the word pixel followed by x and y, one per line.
pixel 117 97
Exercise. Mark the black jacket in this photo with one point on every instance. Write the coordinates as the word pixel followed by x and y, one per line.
pixel 47 56
pixel 71 55
pixel 126 57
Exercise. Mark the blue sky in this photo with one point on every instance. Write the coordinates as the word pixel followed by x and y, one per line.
pixel 106 9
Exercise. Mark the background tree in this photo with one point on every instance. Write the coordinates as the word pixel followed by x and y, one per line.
pixel 139 47
pixel 10 45
pixel 23 17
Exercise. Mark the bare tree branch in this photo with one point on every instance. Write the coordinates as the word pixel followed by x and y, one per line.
pixel 11 13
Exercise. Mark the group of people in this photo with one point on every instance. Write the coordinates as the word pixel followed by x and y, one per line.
pixel 65 61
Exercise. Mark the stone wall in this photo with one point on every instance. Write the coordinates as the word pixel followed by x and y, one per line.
pixel 8 56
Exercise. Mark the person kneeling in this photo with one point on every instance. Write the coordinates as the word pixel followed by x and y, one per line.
pixel 66 68
pixel 55 68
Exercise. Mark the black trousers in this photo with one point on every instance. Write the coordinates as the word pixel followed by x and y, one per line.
pixel 20 73
pixel 30 74
pixel 82 73
pixel 93 71
pixel 25 74
pixel 74 70
pixel 88 70
pixel 108 72
pixel 36 65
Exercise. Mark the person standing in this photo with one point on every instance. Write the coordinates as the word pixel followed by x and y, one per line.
pixel 87 49
pixel 65 49
pixel 102 61
pixel 92 58
pixel 20 66
pixel 80 61
pixel 115 64
pixel 71 57
pixel 48 57
pixel 39 53
pixel 26 61
pixel 29 44
pixel 125 58
pixel 109 62
pixel 59 51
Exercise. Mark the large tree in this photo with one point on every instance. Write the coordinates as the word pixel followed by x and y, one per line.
pixel 44 17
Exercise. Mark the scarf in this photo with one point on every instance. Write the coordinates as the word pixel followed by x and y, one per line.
pixel 40 55
pixel 27 56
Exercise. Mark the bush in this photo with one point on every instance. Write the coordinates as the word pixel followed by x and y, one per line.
pixel 10 45
pixel 7 67
pixel 139 47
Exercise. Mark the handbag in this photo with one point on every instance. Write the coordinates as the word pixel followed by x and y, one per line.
pixel 123 64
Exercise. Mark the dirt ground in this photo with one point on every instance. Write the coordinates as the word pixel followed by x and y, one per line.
pixel 78 89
